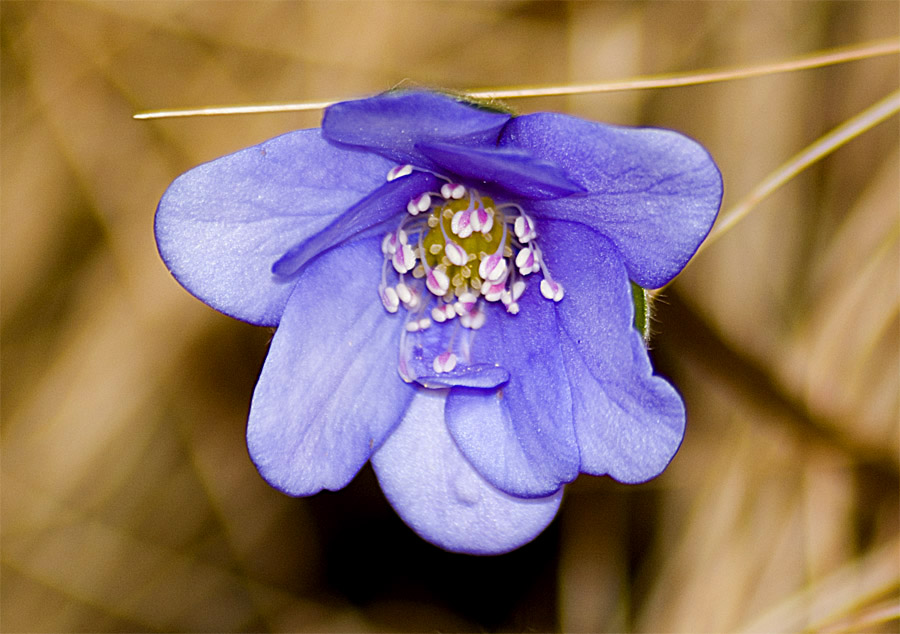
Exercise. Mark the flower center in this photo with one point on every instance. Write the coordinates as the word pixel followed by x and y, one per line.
pixel 454 251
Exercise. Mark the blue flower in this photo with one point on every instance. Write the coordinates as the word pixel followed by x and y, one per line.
pixel 452 291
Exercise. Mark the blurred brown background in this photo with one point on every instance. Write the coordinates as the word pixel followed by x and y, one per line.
pixel 128 499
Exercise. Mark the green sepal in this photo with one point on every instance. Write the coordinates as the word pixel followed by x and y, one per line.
pixel 641 299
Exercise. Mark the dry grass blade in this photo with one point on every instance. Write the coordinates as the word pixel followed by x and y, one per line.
pixel 816 60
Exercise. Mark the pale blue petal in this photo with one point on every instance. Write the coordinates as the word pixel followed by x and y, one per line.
pixel 329 392
pixel 441 497
pixel 222 225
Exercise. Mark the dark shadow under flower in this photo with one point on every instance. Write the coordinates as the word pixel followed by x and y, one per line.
pixel 452 290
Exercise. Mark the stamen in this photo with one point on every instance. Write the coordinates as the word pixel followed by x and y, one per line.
pixel 517 289
pixel 399 171
pixel 473 320
pixel 415 300
pixel 494 292
pixel 470 261
pixel 461 225
pixel 524 229
pixel 551 289
pixel 393 240
pixel 455 253
pixel 437 282
pixel 493 268
pixel 404 259
pixel 527 261
pixel 389 299
pixel 419 204
pixel 417 325
pixel 404 293
pixel 453 191
pixel 444 362
pixel 482 220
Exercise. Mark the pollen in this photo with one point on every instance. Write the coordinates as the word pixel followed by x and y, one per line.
pixel 454 229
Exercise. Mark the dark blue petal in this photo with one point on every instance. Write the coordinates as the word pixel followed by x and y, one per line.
pixel 515 172
pixel 222 225
pixel 329 392
pixel 441 497
pixel 654 193
pixel 392 124
pixel 520 437
pixel 629 423
pixel 377 213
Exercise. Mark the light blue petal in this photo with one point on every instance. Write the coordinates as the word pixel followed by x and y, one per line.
pixel 329 392
pixel 629 422
pixel 222 225
pixel 441 497
pixel 654 193
pixel 520 437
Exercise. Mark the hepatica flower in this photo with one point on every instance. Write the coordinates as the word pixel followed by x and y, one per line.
pixel 452 293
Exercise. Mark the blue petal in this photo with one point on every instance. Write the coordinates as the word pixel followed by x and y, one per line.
pixel 376 213
pixel 516 172
pixel 222 225
pixel 629 429
pixel 629 423
pixel 520 437
pixel 654 193
pixel 329 392
pixel 392 124
pixel 441 497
